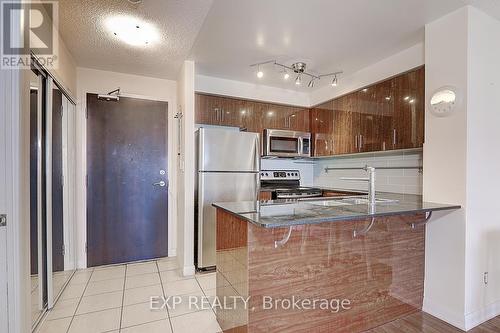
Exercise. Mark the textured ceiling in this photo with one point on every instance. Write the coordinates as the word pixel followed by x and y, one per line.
pixel 82 27
pixel 225 36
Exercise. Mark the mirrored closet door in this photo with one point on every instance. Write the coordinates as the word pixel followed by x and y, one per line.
pixel 38 253
pixel 52 191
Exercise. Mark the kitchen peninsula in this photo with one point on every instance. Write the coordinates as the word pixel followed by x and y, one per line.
pixel 371 258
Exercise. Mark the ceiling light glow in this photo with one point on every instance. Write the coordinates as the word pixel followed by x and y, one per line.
pixel 132 30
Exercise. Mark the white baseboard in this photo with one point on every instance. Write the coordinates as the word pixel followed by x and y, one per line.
pixel 476 318
pixel 438 311
pixel 188 270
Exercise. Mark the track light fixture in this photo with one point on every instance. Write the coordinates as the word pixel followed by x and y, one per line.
pixel 300 69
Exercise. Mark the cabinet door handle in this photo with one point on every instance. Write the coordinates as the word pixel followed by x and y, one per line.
pixel 394 136
pixel 361 142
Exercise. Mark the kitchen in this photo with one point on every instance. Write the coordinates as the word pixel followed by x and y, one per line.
pixel 251 166
pixel 236 231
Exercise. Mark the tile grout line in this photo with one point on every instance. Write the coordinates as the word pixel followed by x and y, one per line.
pixel 207 297
pixel 123 299
pixel 163 291
pixel 79 301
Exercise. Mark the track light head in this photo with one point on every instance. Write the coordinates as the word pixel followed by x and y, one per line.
pixel 311 83
pixel 298 80
pixel 334 81
pixel 260 73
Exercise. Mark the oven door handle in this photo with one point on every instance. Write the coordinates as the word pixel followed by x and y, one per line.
pixel 298 196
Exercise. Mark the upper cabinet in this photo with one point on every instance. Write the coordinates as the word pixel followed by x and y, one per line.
pixel 385 116
pixel 249 115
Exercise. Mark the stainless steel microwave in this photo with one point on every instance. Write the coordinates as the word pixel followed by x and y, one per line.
pixel 282 143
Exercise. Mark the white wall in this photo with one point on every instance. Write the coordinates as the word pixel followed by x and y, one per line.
pixel 14 198
pixel 186 170
pixel 252 91
pixel 483 164
pixel 445 169
pixel 97 81
pixel 396 181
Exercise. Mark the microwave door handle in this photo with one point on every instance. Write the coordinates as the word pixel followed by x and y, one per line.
pixel 268 145
pixel 301 146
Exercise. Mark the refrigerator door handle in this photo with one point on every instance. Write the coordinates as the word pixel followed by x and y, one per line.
pixel 257 169
pixel 201 188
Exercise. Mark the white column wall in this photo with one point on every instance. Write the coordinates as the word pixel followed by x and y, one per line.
pixel 483 165
pixel 460 163
pixel 444 162
pixel 186 170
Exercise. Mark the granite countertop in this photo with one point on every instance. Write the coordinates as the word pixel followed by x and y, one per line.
pixel 283 213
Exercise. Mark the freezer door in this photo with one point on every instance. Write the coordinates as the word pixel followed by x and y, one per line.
pixel 224 150
pixel 219 187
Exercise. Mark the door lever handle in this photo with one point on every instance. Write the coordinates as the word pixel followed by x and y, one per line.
pixel 160 183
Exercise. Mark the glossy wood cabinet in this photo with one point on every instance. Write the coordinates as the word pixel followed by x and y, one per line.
pixel 250 115
pixel 265 195
pixel 385 116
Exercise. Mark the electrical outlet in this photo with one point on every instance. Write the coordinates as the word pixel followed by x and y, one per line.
pixel 485 278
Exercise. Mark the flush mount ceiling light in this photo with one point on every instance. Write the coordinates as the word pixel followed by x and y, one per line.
pixel 300 69
pixel 132 30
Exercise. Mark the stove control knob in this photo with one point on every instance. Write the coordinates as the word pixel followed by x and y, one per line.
pixel 288 174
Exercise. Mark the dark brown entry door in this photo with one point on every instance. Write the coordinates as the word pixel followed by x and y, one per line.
pixel 127 214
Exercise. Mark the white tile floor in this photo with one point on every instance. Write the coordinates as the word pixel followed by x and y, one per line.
pixel 117 299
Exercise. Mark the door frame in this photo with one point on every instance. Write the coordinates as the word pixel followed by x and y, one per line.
pixel 81 186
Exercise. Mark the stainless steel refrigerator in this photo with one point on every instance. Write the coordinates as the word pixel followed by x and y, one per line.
pixel 228 164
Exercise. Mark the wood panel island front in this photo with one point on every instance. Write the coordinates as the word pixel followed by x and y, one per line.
pixel 298 267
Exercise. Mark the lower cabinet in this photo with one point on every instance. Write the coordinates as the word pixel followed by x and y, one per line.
pixel 265 195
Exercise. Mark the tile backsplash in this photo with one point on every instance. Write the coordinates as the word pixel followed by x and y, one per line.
pixel 394 180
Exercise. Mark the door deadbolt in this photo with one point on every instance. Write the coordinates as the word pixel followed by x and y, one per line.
pixel 162 172
pixel 3 220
